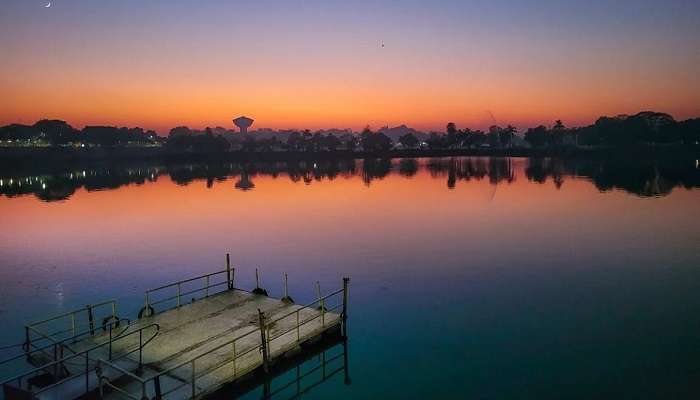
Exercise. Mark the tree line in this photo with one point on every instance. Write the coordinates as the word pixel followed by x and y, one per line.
pixel 642 128
pixel 57 133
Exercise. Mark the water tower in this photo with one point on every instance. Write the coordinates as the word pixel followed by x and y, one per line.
pixel 243 123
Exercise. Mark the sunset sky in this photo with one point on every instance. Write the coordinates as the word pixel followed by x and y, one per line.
pixel 320 64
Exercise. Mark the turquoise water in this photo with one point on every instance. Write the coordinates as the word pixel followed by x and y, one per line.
pixel 470 278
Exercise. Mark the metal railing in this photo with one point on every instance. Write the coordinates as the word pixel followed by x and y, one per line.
pixel 320 304
pixel 207 289
pixel 72 320
pixel 60 368
pixel 31 348
pixel 262 345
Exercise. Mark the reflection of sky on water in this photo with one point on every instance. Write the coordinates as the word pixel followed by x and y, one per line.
pixel 519 287
pixel 645 178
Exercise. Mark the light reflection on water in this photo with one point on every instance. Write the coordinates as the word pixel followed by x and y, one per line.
pixel 526 278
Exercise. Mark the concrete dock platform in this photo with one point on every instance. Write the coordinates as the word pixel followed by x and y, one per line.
pixel 190 350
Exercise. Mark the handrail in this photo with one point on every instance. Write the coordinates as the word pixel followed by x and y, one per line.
pixel 89 309
pixel 280 334
pixel 185 281
pixel 93 306
pixel 228 281
pixel 317 301
pixel 60 363
pixel 186 293
pixel 38 349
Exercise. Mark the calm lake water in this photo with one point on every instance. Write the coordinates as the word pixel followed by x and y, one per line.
pixel 471 277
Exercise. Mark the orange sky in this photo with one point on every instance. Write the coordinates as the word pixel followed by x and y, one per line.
pixel 157 66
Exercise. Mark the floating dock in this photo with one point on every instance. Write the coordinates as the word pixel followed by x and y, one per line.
pixel 191 339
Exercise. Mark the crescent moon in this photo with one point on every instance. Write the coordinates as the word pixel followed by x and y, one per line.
pixel 48 5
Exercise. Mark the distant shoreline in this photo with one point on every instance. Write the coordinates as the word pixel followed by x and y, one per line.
pixel 34 156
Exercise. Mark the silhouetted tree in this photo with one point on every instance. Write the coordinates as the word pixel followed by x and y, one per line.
pixel 102 135
pixel 451 137
pixel 435 141
pixel 689 131
pixel 180 130
pixel 331 142
pixel 307 140
pixel 478 138
pixel 56 131
pixel 372 141
pixel 349 141
pixel 494 136
pixel 19 132
pixel 464 138
pixel 294 141
pixel 537 137
pixel 409 140
pixel 451 128
pixel 506 135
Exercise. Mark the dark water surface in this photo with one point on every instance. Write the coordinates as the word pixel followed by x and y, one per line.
pixel 471 277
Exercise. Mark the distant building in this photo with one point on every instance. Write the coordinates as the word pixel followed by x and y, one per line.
pixel 243 123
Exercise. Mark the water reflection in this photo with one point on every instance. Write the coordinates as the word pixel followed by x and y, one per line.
pixel 643 178
pixel 296 376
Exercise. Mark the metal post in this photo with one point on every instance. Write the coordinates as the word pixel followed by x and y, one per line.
pixel 114 309
pixel 345 362
pixel 101 385
pixel 346 280
pixel 87 372
pixel 28 340
pixel 55 359
pixel 110 342
pixel 91 319
pixel 257 279
pixel 140 349
pixel 286 299
pixel 263 342
pixel 228 271
pixel 156 384
pixel 98 373
pixel 194 390
pixel 61 365
pixel 323 313
pixel 267 336
pixel 72 323
pixel 298 337
pixel 178 294
pixel 318 292
pixel 234 357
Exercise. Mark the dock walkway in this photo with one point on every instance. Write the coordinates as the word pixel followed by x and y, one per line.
pixel 185 352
